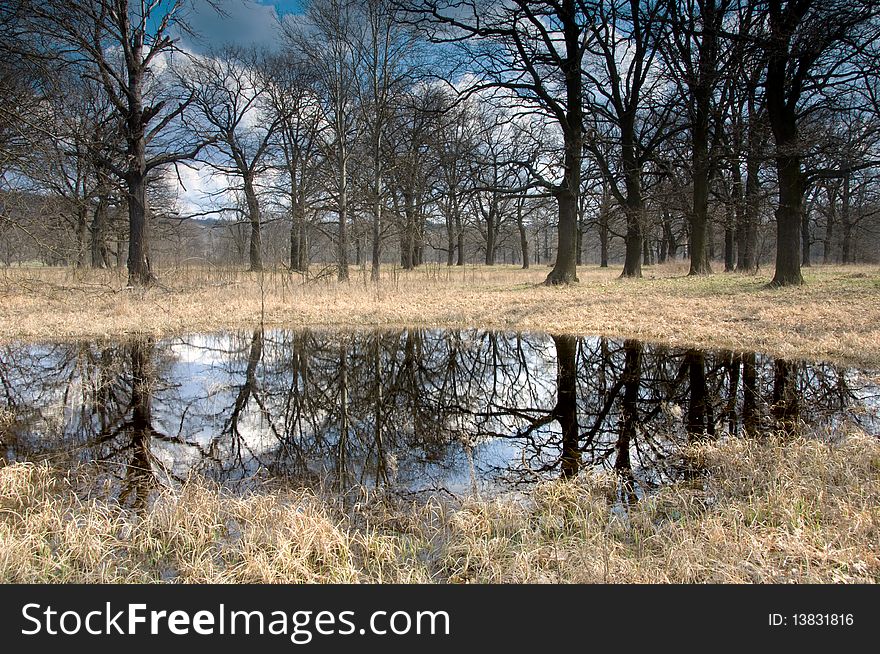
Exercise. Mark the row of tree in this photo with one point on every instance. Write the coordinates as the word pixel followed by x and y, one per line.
pixel 429 122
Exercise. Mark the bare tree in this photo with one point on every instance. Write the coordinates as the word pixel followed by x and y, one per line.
pixel 325 41
pixel 292 98
pixel 230 94
pixel 694 58
pixel 627 106
pixel 386 50
pixel 811 47
pixel 123 44
pixel 533 52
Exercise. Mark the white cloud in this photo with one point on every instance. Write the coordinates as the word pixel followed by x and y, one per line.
pixel 240 22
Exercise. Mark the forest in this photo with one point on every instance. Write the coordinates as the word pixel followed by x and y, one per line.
pixel 728 134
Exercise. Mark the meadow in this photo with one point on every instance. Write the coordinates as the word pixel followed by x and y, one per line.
pixel 777 508
pixel 835 316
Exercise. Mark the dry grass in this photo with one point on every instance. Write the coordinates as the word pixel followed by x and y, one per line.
pixel 836 316
pixel 769 511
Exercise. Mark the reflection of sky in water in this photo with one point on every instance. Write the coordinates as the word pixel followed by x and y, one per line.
pixel 460 410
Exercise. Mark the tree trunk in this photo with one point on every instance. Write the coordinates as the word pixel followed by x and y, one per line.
pixel 342 241
pixel 407 241
pixel 491 219
pixel 459 229
pixel 751 419
pixel 377 213
pixel 255 252
pixel 846 242
pixel 829 225
pixel 730 240
pixel 629 411
pixel 729 250
pixel 98 230
pixel 789 216
pixel 781 110
pixel 82 234
pixel 699 423
pixel 700 210
pixel 632 264
pixel 805 240
pixel 603 239
pixel 139 270
pixel 523 236
pixel 450 240
pixel 298 237
pixel 565 269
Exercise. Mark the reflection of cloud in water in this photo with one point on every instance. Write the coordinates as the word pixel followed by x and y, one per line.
pixel 415 410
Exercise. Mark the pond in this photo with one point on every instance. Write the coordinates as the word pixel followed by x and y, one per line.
pixel 418 410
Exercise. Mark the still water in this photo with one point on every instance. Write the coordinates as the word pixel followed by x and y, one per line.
pixel 416 410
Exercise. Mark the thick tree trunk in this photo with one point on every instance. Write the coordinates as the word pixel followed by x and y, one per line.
pixel 781 99
pixel 786 406
pixel 751 207
pixel 565 269
pixel 789 216
pixel 699 420
pixel 491 219
pixel 700 211
pixel 730 240
pixel 255 252
pixel 632 264
pixel 98 235
pixel 729 250
pixel 408 238
pixel 701 92
pixel 139 270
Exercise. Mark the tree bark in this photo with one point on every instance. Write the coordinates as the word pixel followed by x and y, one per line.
pixel 565 269
pixel 632 264
pixel 255 253
pixel 523 235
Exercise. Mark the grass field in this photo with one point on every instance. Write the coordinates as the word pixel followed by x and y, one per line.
pixel 764 510
pixel 802 511
pixel 835 316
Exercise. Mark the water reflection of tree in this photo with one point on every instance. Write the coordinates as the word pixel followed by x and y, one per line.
pixel 381 407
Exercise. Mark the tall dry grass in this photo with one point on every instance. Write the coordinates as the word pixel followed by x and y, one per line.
pixel 766 511
pixel 835 316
